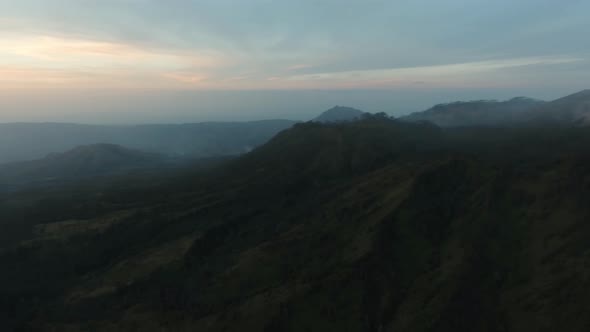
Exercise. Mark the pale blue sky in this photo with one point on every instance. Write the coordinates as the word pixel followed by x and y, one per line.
pixel 172 61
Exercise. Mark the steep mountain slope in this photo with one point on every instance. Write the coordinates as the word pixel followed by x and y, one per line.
pixel 570 110
pixel 25 141
pixel 477 113
pixel 376 225
pixel 81 162
pixel 339 114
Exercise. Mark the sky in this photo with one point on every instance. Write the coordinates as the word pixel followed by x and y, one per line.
pixel 142 61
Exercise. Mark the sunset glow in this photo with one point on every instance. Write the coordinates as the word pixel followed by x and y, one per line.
pixel 38 61
pixel 395 48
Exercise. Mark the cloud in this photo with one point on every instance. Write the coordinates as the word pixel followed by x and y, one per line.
pixel 50 49
pixel 299 67
pixel 186 77
pixel 482 72
pixel 234 44
pixel 63 61
pixel 437 71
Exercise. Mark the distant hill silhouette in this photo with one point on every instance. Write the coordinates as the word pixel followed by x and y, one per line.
pixel 80 162
pixel 25 141
pixel 339 114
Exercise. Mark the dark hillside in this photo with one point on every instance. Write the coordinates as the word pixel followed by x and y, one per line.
pixel 376 225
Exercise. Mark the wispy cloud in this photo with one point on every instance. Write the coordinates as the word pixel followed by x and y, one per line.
pixel 57 60
pixel 304 44
pixel 439 74
pixel 435 71
pixel 299 67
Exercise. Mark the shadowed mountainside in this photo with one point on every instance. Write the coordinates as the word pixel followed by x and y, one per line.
pixel 375 225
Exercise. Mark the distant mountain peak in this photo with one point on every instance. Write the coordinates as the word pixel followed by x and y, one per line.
pixel 340 114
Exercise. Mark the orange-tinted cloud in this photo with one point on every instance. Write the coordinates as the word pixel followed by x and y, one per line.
pixel 50 61
pixel 39 60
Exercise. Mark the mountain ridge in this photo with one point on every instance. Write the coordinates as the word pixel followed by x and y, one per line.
pixel 339 114
pixel 570 110
pixel 371 225
pixel 478 112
